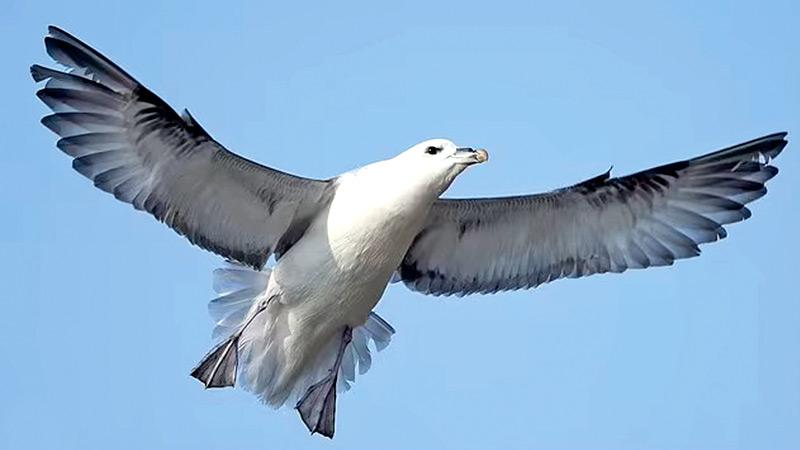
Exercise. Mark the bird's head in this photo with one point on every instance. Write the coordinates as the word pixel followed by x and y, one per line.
pixel 441 160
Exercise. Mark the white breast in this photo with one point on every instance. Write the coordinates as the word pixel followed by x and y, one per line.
pixel 347 256
pixel 373 219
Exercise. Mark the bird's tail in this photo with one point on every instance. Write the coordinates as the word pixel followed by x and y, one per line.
pixel 257 360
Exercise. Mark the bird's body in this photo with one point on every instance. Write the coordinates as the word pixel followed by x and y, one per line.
pixel 337 272
pixel 299 329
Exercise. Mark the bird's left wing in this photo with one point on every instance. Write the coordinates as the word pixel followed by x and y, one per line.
pixel 604 224
pixel 131 144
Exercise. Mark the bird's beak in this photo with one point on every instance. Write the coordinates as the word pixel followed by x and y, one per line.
pixel 467 155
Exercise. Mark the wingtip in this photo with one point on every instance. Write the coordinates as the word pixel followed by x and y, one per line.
pixel 55 31
pixel 42 94
pixel 781 141
pixel 38 73
pixel 780 136
pixel 50 122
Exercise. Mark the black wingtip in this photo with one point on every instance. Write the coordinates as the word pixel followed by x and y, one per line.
pixel 781 134
pixel 42 94
pixel 39 73
pixel 778 140
pixel 51 122
pixel 58 32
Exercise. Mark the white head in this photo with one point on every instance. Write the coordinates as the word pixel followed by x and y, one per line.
pixel 439 161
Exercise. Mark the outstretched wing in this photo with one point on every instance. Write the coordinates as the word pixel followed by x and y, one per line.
pixel 131 144
pixel 604 224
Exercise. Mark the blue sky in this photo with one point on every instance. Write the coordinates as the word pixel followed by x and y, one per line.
pixel 105 309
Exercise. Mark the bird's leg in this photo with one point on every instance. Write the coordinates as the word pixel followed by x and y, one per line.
pixel 317 408
pixel 218 367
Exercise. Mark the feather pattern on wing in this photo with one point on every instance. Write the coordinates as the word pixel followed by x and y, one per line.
pixel 603 224
pixel 131 144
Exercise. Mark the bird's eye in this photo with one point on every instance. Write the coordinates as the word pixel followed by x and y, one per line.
pixel 432 150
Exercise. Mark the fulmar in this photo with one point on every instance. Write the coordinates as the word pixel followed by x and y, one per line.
pixel 296 332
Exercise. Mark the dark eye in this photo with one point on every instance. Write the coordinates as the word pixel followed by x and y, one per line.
pixel 433 150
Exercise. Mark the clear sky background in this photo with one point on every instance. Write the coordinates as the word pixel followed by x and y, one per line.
pixel 104 309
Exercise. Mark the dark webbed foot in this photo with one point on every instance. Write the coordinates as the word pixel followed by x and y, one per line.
pixel 218 367
pixel 317 408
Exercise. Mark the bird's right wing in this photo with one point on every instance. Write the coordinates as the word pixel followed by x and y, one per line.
pixel 604 224
pixel 131 144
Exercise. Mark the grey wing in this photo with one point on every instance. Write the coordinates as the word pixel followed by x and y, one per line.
pixel 131 144
pixel 650 218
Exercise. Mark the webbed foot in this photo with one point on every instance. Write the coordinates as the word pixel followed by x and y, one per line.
pixel 218 367
pixel 317 407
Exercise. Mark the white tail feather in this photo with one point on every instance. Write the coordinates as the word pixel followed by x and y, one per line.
pixel 261 355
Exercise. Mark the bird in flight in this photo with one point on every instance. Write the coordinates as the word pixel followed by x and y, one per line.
pixel 297 331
